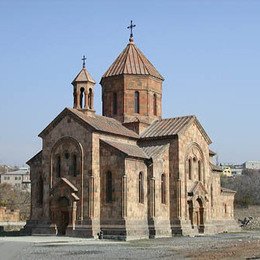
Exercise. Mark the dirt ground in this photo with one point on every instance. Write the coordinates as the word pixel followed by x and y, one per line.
pixel 234 246
pixel 231 250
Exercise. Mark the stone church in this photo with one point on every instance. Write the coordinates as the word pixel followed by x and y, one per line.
pixel 128 173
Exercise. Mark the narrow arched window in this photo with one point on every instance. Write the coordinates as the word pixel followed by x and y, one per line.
pixel 137 102
pixel 90 98
pixel 40 194
pixel 225 208
pixel 109 187
pixel 199 170
pixel 141 188
pixel 163 191
pixel 74 163
pixel 190 169
pixel 114 103
pixel 155 105
pixel 58 166
pixel 81 98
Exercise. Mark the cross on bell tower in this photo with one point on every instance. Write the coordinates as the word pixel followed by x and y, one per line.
pixel 131 26
pixel 83 91
pixel 84 59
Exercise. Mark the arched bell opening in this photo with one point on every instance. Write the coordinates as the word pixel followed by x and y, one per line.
pixel 81 98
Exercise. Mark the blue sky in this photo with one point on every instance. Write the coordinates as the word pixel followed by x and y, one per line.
pixel 207 51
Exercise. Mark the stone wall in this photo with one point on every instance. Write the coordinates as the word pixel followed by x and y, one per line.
pixel 125 87
pixel 7 215
pixel 250 215
pixel 241 213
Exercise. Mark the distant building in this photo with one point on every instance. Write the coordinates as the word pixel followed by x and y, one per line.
pixel 251 165
pixel 231 169
pixel 227 171
pixel 237 169
pixel 19 178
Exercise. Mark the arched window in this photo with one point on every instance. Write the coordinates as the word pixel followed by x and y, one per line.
pixel 141 188
pixel 137 102
pixel 90 98
pixel 58 166
pixel 40 194
pixel 114 103
pixel 81 98
pixel 74 165
pixel 163 191
pixel 199 170
pixel 109 187
pixel 155 105
pixel 190 168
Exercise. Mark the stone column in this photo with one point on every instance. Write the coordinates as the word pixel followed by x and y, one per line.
pixel 178 199
pixel 77 99
pixel 124 196
pixel 152 196
pixel 92 100
pixel 91 197
pixel 86 105
pixel 74 214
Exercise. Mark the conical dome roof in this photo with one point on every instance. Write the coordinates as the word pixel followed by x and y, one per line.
pixel 83 76
pixel 132 61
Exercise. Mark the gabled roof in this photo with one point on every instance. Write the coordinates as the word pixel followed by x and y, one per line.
pixel 94 122
pixel 171 127
pixel 18 172
pixel 64 181
pixel 132 61
pixel 83 76
pixel 131 150
pixel 215 168
pixel 211 153
pixel 35 157
pixel 225 190
pixel 153 150
pixel 198 186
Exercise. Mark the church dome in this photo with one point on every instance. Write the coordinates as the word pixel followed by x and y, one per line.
pixel 132 61
pixel 83 76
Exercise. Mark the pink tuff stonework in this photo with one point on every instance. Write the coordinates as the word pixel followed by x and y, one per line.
pixel 128 173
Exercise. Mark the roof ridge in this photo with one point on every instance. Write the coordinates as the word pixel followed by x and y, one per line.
pixel 140 57
pixel 110 125
pixel 112 69
pixel 131 62
pixel 177 117
pixel 122 61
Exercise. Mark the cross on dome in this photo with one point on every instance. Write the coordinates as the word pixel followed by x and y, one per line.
pixel 131 26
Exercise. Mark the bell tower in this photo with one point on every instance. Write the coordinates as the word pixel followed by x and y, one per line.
pixel 83 91
pixel 132 89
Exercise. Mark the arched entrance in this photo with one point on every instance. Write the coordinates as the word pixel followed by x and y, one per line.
pixel 196 214
pixel 61 214
pixel 199 215
pixel 65 215
pixel 63 206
